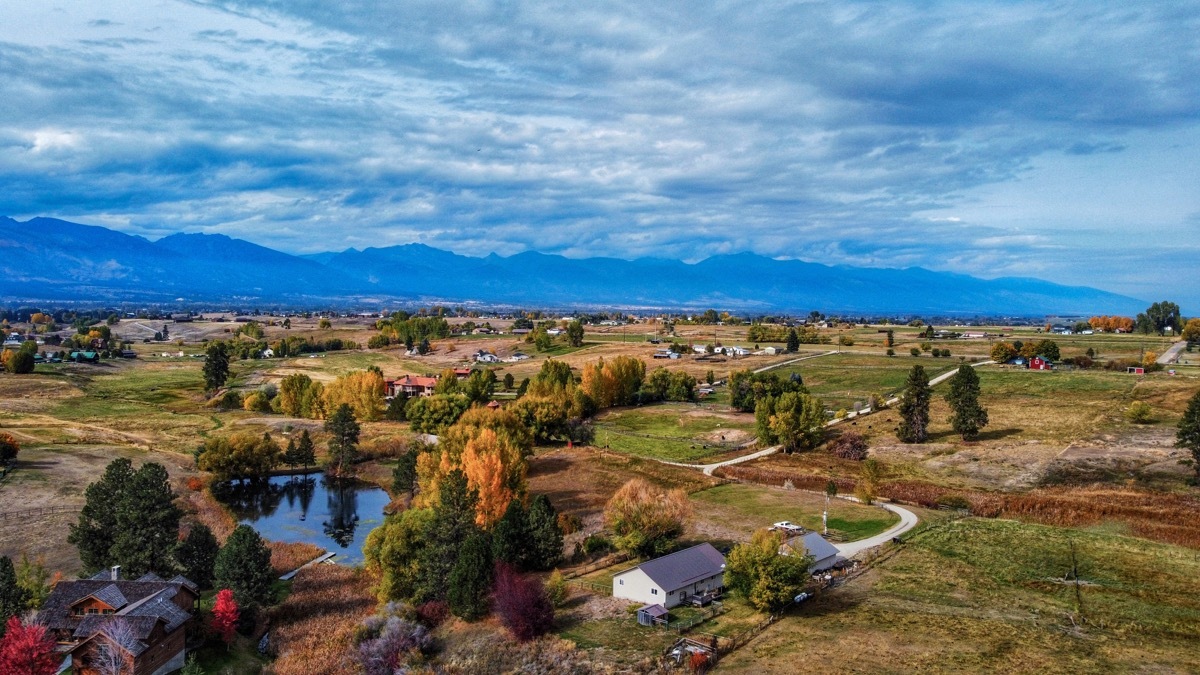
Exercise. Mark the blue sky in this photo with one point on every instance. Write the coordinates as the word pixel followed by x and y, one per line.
pixel 1056 140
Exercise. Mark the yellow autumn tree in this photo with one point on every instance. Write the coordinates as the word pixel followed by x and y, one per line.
pixel 493 469
pixel 646 519
pixel 362 391
pixel 490 446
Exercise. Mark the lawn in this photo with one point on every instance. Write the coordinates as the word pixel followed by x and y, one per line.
pixel 673 432
pixel 841 380
pixel 741 508
pixel 990 596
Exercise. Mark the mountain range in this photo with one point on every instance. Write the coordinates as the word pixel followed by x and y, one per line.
pixel 45 259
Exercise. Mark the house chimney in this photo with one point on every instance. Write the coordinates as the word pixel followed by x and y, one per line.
pixel 116 572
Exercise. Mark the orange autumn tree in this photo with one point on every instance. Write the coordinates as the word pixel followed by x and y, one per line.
pixel 645 518
pixel 490 447
pixel 362 390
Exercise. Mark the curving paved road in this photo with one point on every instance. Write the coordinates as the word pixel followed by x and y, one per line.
pixel 908 520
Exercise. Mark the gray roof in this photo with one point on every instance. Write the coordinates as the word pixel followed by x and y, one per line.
pixel 111 596
pixel 656 610
pixel 813 544
pixel 681 568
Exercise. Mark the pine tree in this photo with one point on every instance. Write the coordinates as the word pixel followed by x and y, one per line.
pixel 305 452
pixel 470 580
pixel 12 596
pixel 1188 435
pixel 216 365
pixel 545 537
pixel 225 615
pixel 453 522
pixel 198 555
pixel 793 340
pixel 244 566
pixel 967 417
pixel 404 476
pixel 343 444
pixel 914 407
pixel 289 454
pixel 97 527
pixel 147 524
pixel 510 536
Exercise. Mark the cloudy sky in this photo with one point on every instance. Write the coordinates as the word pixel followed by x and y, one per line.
pixel 1057 140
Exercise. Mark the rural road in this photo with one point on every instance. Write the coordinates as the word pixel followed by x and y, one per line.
pixel 1171 355
pixel 908 520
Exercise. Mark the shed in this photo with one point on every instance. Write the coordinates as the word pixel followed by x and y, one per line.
pixel 1040 363
pixel 652 615
pixel 824 554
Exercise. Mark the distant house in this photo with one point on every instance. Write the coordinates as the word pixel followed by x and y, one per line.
pixel 664 354
pixel 85 357
pixel 735 351
pixel 555 332
pixel 410 386
pixel 773 351
pixel 1040 363
pixel 669 580
pixel 462 373
pixel 13 340
pixel 522 331
pixel 482 356
pixel 149 613
pixel 824 553
pixel 267 353
pixel 518 356
pixel 972 335
pixel 1136 370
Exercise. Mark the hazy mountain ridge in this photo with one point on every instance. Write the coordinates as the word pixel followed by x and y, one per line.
pixel 49 259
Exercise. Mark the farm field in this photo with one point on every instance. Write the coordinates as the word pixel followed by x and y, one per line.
pixel 989 595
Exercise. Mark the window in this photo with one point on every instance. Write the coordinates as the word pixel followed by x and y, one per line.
pixel 93 610
pixel 653 591
pixel 620 582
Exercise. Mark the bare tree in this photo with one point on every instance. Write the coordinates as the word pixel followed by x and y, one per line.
pixel 114 651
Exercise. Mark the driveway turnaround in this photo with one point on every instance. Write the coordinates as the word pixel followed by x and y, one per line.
pixel 908 520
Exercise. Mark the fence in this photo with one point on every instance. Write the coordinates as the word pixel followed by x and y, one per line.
pixel 606 561
pixel 591 586
pixel 731 445
pixel 44 511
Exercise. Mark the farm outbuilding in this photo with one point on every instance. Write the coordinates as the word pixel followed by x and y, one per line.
pixel 824 554
pixel 652 615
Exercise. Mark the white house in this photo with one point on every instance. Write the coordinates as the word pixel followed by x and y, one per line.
pixel 736 351
pixel 824 553
pixel 669 580
pixel 482 356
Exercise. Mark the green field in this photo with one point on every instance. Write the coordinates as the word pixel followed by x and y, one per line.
pixel 990 596
pixel 673 432
pixel 744 508
pixel 841 380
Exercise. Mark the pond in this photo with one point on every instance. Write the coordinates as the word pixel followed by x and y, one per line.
pixel 336 514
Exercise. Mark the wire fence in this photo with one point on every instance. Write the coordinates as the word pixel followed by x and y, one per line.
pixel 43 511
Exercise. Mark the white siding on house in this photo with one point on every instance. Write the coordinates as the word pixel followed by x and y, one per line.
pixel 635 585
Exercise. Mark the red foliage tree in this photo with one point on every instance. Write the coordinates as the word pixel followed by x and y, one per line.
pixel 698 662
pixel 225 615
pixel 521 603
pixel 27 649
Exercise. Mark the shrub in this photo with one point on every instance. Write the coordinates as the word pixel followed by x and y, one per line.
pixel 596 544
pixel 1139 412
pixel 522 604
pixel 891 352
pixel 916 352
pixel 850 445
pixel 195 483
pixel 569 523
pixel 954 502
pixel 433 613
pixel 397 642
pixel 556 588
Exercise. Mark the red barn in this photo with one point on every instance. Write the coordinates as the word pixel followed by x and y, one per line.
pixel 1040 363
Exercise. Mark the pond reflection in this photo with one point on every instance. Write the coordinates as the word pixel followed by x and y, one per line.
pixel 287 508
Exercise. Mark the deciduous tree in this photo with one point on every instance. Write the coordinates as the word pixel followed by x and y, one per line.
pixel 225 615
pixel 8 448
pixel 646 519
pixel 522 604
pixel 575 333
pixel 27 649
pixel 794 420
pixel 756 571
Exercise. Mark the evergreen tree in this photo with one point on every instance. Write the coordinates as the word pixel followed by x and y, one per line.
pixel 470 580
pixel 12 596
pixel 97 527
pixel 914 407
pixel 147 524
pixel 545 541
pixel 198 555
pixel 305 452
pixel 967 417
pixel 216 365
pixel 343 444
pixel 453 522
pixel 289 454
pixel 510 536
pixel 509 381
pixel 793 340
pixel 244 567
pixel 395 409
pixel 1188 435
pixel 404 476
